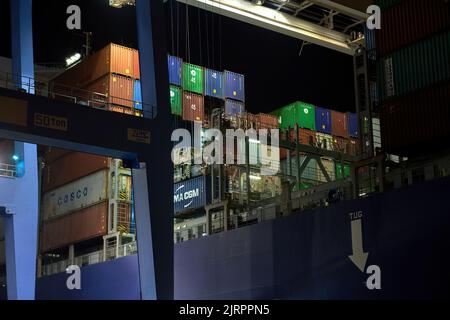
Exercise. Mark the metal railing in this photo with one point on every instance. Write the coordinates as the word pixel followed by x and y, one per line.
pixel 89 259
pixel 8 171
pixel 74 95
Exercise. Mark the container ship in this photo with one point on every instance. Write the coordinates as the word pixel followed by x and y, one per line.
pixel 356 194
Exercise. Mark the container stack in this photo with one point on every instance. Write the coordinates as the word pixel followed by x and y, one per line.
pixel 108 79
pixel 320 128
pixel 413 47
pixel 84 197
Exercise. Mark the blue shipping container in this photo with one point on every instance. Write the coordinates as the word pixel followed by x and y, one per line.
pixel 323 120
pixel 214 83
pixel 137 98
pixel 234 86
pixel 191 194
pixel 175 67
pixel 352 125
pixel 233 108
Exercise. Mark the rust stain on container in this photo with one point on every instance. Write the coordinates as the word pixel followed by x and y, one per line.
pixel 71 167
pixel 193 107
pixel 76 227
pixel 118 89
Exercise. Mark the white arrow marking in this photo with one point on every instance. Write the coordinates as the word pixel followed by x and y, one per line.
pixel 359 257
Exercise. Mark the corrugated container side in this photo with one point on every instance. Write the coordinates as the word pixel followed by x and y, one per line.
pixel 119 89
pixel 214 84
pixel 193 78
pixel 268 121
pixel 411 21
pixel 418 123
pixel 191 194
pixel 193 107
pixel 323 120
pixel 110 59
pixel 175 67
pixel 83 225
pixel 71 167
pixel 305 137
pixel 122 60
pixel 339 124
pixel 136 65
pixel 176 103
pixel 75 196
pixel 352 125
pixel 306 115
pixel 342 171
pixel 234 86
pixel 233 108
pixel 341 144
pixel 52 154
pixel 413 68
pixel 137 95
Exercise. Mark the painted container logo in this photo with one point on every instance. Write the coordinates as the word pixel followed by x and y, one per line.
pixel 189 195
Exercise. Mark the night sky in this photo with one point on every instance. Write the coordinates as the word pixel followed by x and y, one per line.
pixel 275 73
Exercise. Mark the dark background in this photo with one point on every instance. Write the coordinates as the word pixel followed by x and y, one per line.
pixel 275 73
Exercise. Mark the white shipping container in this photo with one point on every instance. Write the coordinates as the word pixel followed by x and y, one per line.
pixel 76 195
pixel 330 168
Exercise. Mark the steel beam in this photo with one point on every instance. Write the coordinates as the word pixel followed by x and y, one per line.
pixel 270 19
pixel 154 206
pixel 21 222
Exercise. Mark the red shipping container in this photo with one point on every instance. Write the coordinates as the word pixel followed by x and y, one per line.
pixel 416 124
pixel 111 59
pixel 136 65
pixel 82 225
pixel 341 144
pixel 411 21
pixel 268 121
pixel 305 137
pixel 6 152
pixel 353 147
pixel 71 167
pixel 52 154
pixel 118 89
pixel 193 107
pixel 339 124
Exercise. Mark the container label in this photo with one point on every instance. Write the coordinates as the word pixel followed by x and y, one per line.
pixel 50 122
pixel 389 74
pixel 140 136
pixel 75 196
pixel 189 195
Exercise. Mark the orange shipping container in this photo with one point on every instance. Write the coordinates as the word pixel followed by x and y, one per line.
pixel 193 107
pixel 118 89
pixel 137 70
pixel 111 59
pixel 71 167
pixel 79 226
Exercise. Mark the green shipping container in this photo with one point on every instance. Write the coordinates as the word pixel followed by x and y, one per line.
pixel 298 113
pixel 176 104
pixel 342 172
pixel 193 78
pixel 415 67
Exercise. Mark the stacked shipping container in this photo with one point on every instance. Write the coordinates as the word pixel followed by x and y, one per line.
pixel 414 74
pixel 112 72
